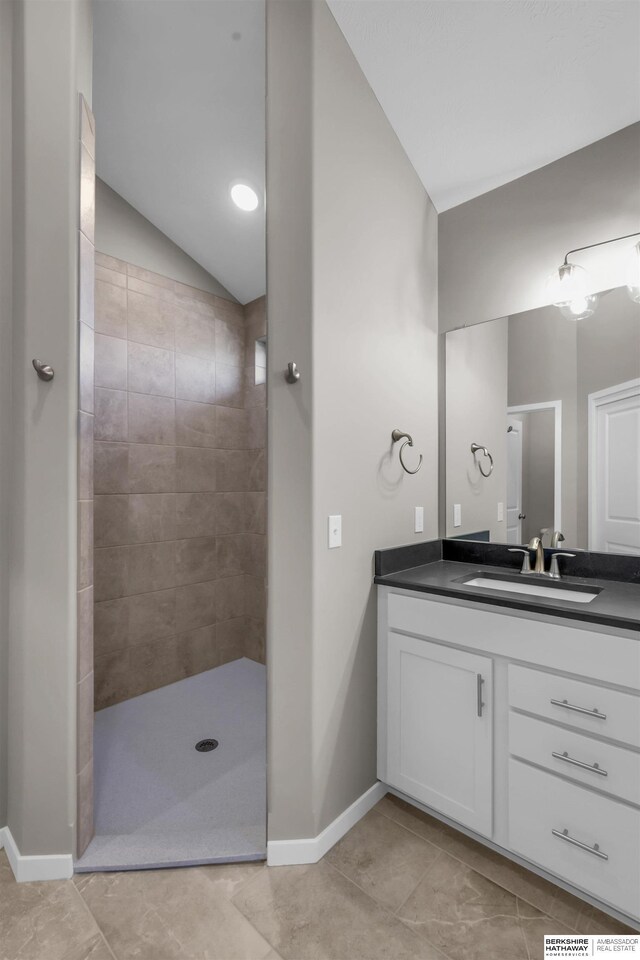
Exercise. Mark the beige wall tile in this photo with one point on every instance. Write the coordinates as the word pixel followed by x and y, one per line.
pixel 195 379
pixel 230 636
pixel 256 555
pixel 195 424
pixel 255 317
pixel 256 427
pixel 151 370
pixel 85 456
pixel 85 544
pixel 231 555
pixel 254 640
pixel 110 309
pixel 197 650
pixel 152 616
pixel 111 276
pixel 231 428
pixel 152 468
pixel 139 273
pixel 228 310
pixel 84 799
pixel 192 293
pixel 232 474
pixel 85 368
pixel 195 334
pixel 229 385
pixel 110 574
pixel 112 678
pixel 85 722
pixel 151 419
pixel 256 512
pixel 111 520
pixel 110 362
pixel 110 415
pixel 87 284
pixel 154 665
pixel 85 632
pixel 151 566
pixel 152 516
pixel 257 470
pixel 110 467
pixel 231 515
pixel 230 342
pixel 197 305
pixel 154 290
pixel 230 598
pixel 111 626
pixel 255 394
pixel 111 263
pixel 255 597
pixel 87 194
pixel 151 321
pixel 195 560
pixel 196 469
pixel 195 515
pixel 196 605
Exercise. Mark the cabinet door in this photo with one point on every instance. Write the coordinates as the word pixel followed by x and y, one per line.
pixel 439 718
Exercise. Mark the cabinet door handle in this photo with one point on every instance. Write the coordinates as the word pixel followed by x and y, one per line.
pixel 479 700
pixel 593 767
pixel 595 849
pixel 571 706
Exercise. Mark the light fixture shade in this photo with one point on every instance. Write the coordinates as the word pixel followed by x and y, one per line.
pixel 633 282
pixel 569 289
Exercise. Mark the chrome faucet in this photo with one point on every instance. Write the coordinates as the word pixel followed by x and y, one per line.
pixel 554 570
pixel 556 539
pixel 536 544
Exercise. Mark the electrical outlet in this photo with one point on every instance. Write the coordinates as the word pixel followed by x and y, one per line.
pixel 335 531
pixel 418 520
pixel 457 514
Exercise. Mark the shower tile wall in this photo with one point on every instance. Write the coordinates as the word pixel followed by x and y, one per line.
pixel 179 482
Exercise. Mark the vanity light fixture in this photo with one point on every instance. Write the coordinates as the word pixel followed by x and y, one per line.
pixel 244 197
pixel 571 291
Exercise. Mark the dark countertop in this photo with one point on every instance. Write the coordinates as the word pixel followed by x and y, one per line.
pixel 617 604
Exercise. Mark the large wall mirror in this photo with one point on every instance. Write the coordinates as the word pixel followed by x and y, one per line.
pixel 553 406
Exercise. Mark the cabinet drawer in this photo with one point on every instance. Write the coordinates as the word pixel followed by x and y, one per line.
pixel 540 803
pixel 593 709
pixel 615 770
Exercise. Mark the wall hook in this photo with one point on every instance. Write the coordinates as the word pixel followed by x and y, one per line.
pixel 293 374
pixel 408 441
pixel 44 371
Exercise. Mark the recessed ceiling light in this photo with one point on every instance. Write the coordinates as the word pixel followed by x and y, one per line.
pixel 244 197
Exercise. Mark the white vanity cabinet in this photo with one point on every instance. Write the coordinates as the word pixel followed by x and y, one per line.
pixel 523 729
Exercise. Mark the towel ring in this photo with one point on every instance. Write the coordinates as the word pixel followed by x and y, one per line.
pixel 474 448
pixel 408 441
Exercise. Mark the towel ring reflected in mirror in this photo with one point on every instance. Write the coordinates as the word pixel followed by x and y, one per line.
pixel 485 453
pixel 408 441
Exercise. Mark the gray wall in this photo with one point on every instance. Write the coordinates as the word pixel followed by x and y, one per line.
pixel 538 473
pixel 123 233
pixel 354 294
pixel 6 27
pixel 476 405
pixel 52 48
pixel 496 251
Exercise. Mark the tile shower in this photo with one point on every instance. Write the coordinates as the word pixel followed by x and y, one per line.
pixel 179 481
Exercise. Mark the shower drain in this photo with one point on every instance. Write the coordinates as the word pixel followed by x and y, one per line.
pixel 204 746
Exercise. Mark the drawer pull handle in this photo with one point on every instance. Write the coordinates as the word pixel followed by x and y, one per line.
pixel 593 767
pixel 479 700
pixel 570 706
pixel 595 849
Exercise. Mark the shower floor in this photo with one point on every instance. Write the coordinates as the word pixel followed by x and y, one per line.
pixel 158 801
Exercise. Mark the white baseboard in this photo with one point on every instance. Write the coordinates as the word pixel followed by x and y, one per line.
pixel 281 853
pixel 47 867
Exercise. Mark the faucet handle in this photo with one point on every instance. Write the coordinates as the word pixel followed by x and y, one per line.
pixel 526 559
pixel 554 570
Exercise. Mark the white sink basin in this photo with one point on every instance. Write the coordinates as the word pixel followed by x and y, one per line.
pixel 532 589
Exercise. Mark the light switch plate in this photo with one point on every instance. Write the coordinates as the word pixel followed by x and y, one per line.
pixel 418 524
pixel 335 531
pixel 457 515
pixel 501 511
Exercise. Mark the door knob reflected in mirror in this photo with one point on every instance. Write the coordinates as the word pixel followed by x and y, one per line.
pixel 522 516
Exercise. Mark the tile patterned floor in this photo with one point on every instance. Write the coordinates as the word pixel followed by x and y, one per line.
pixel 399 886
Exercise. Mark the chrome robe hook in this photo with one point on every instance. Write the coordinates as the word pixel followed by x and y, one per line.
pixel 408 441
